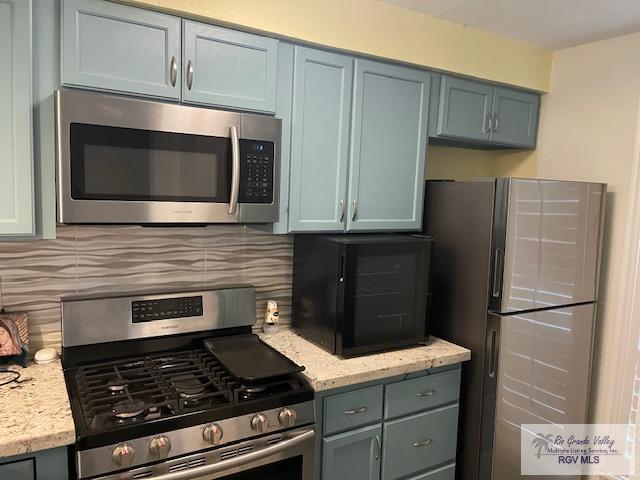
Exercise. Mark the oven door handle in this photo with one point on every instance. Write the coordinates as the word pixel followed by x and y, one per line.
pixel 235 169
pixel 198 472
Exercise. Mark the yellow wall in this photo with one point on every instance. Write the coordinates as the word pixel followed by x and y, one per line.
pixel 462 163
pixel 376 28
pixel 588 129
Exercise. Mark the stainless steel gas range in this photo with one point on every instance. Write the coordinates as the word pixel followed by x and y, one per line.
pixel 175 386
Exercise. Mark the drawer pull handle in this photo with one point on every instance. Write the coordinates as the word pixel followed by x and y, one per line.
pixel 424 443
pixel 428 393
pixel 356 411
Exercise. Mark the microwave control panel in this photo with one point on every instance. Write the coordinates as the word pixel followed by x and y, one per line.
pixel 256 172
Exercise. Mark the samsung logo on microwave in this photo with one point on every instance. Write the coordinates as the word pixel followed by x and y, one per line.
pixel 169 327
pixel 182 212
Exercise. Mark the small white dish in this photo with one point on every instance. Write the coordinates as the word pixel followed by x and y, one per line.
pixel 46 355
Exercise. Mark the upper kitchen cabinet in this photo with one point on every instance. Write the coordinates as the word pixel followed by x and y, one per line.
pixel 477 114
pixel 108 46
pixel 464 109
pixel 388 144
pixel 17 201
pixel 320 140
pixel 228 68
pixel 515 120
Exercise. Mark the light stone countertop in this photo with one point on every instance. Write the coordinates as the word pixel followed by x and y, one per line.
pixel 35 414
pixel 325 371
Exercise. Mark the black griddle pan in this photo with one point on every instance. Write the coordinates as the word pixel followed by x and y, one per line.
pixel 249 358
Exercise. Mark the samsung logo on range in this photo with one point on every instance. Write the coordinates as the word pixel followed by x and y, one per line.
pixel 182 212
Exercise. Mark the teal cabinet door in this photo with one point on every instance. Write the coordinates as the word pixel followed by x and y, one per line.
pixel 388 147
pixel 108 46
pixel 464 109
pixel 16 153
pixel 20 470
pixel 320 140
pixel 228 68
pixel 354 455
pixel 515 120
pixel 42 465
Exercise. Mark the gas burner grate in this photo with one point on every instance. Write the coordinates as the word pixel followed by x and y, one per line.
pixel 112 394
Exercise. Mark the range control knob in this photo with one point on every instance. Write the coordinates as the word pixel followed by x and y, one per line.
pixel 212 433
pixel 259 423
pixel 159 446
pixel 123 455
pixel 287 417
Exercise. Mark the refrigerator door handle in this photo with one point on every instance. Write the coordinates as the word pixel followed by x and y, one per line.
pixel 493 353
pixel 497 271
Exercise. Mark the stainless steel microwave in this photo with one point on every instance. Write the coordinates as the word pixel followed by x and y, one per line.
pixel 132 161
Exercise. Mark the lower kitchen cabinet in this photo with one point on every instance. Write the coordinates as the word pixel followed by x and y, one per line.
pixel 43 465
pixel 396 428
pixel 353 455
pixel 419 442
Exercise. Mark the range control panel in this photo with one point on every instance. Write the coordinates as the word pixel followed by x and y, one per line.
pixel 161 309
pixel 256 172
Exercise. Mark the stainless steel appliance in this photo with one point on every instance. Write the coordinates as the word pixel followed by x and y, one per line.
pixel 357 294
pixel 515 279
pixel 174 386
pixel 123 160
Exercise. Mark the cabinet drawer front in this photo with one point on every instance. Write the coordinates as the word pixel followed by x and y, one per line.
pixel 352 409
pixel 411 396
pixel 416 443
pixel 20 470
pixel 115 47
pixel 447 472
pixel 228 68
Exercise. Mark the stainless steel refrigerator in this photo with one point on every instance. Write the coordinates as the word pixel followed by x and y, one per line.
pixel 515 270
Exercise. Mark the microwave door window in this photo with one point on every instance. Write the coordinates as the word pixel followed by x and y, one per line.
pixel 111 163
pixel 384 304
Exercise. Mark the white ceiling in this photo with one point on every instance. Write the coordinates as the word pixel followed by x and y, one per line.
pixel 552 24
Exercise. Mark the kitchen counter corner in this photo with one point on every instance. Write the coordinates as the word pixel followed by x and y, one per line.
pixel 35 414
pixel 325 371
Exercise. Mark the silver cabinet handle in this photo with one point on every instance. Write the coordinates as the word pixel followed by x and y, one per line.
pixel 356 411
pixel 354 209
pixel 189 75
pixel 235 169
pixel 496 122
pixel 342 205
pixel 428 393
pixel 488 123
pixel 204 470
pixel 173 72
pixel 423 443
pixel 379 445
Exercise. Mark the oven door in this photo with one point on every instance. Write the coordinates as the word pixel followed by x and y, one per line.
pixel 281 456
pixel 123 160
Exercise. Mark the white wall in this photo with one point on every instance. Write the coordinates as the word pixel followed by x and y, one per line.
pixel 587 132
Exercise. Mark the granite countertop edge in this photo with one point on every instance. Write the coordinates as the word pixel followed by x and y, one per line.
pixel 325 371
pixel 35 414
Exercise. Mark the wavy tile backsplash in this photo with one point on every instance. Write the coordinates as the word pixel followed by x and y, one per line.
pixel 89 259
